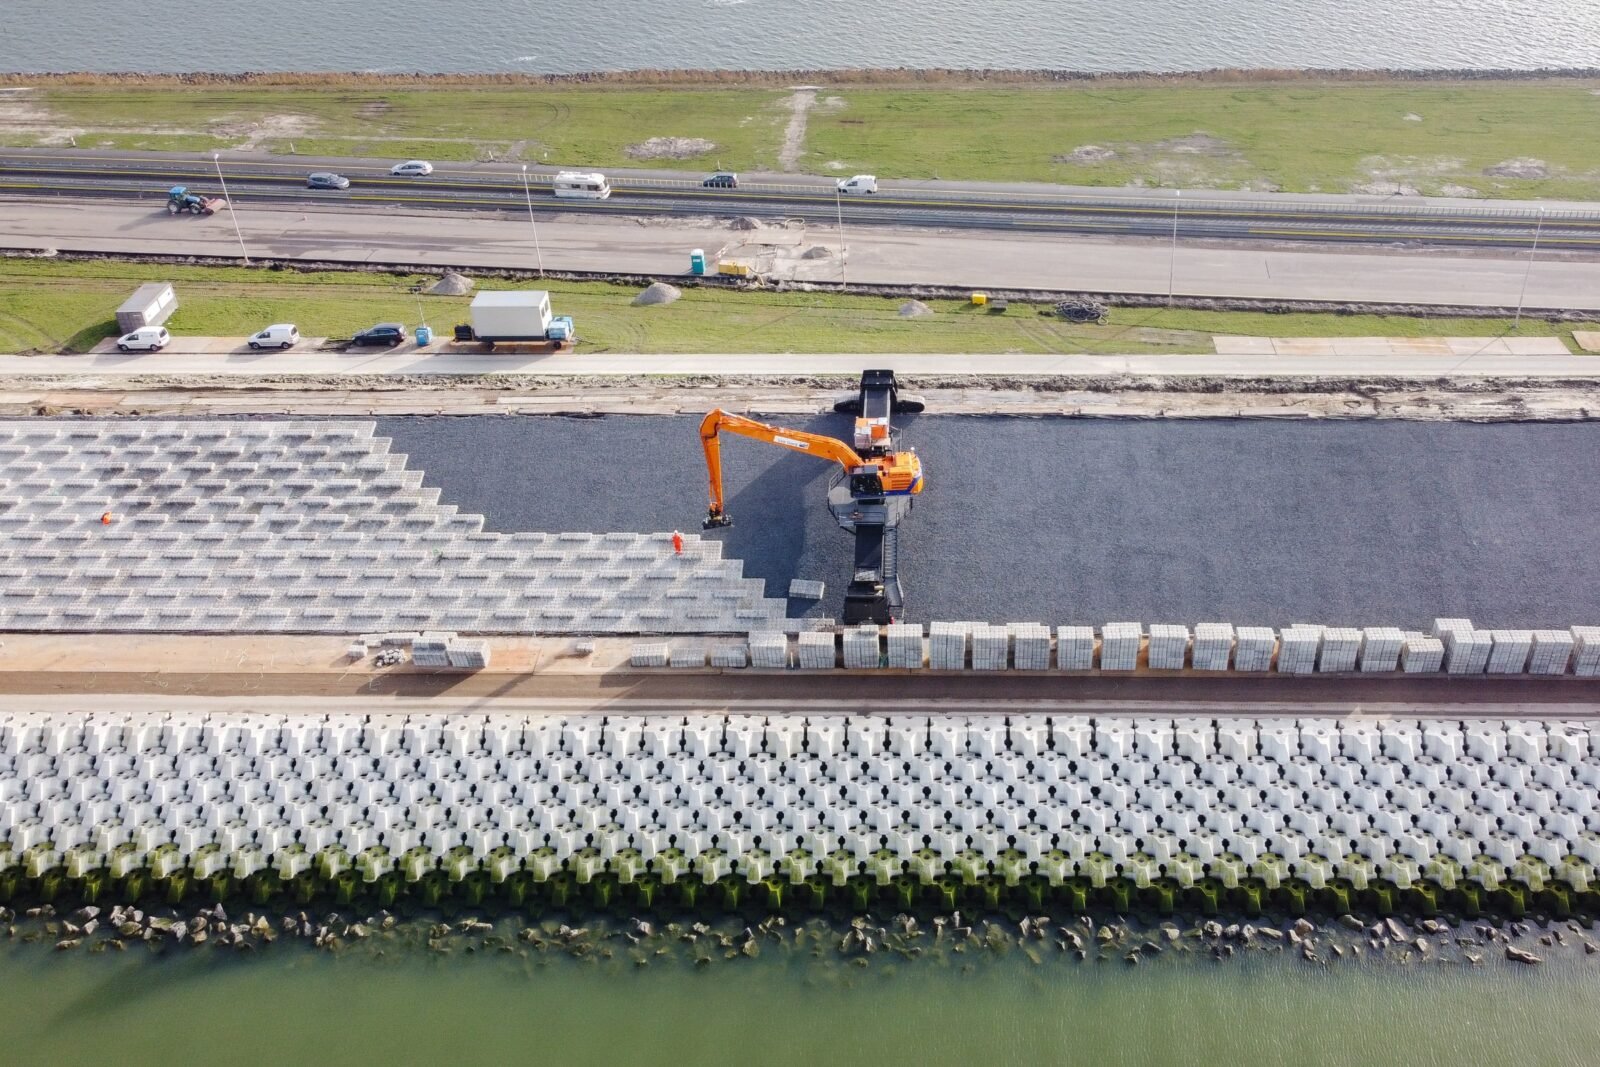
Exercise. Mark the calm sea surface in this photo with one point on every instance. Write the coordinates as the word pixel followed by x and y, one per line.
pixel 544 36
pixel 294 1006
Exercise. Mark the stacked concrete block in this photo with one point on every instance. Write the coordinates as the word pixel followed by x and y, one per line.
pixel 1509 651
pixel 1213 646
pixel 726 654
pixel 1119 646
pixel 991 647
pixel 801 589
pixel 1253 648
pixel 1466 650
pixel 1421 654
pixel 1380 649
pixel 1586 651
pixel 1297 649
pixel 650 654
pixel 1338 651
pixel 691 655
pixel 431 650
pixel 817 651
pixel 1030 646
pixel 1169 647
pixel 947 645
pixel 467 654
pixel 1075 648
pixel 862 649
pixel 1552 652
pixel 905 645
pixel 769 650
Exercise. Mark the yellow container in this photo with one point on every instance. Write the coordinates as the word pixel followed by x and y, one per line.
pixel 741 270
pixel 980 299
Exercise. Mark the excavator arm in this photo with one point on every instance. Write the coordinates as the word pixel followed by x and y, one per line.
pixel 795 440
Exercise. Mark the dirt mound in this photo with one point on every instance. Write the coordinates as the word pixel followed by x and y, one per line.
pixel 658 293
pixel 1088 153
pixel 670 148
pixel 1521 167
pixel 915 309
pixel 817 252
pixel 452 284
pixel 745 222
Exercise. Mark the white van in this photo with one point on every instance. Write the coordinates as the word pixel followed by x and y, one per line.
pixel 145 339
pixel 575 186
pixel 282 335
pixel 861 184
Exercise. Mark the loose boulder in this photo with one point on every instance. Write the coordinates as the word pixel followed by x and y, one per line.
pixel 657 293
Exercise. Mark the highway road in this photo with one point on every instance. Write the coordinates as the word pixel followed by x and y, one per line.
pixel 1035 209
pixel 880 255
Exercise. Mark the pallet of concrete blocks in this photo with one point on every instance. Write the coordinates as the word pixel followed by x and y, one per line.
pixel 1380 649
pixel 1169 647
pixel 801 589
pixel 991 647
pixel 1509 651
pixel 431 650
pixel 905 645
pixel 1552 652
pixel 769 650
pixel 1586 651
pixel 1421 654
pixel 1030 646
pixel 1253 648
pixel 1119 646
pixel 1466 649
pixel 467 654
pixel 1213 646
pixel 690 656
pixel 1297 649
pixel 649 654
pixel 1338 651
pixel 729 654
pixel 817 651
pixel 1075 648
pixel 861 648
pixel 947 645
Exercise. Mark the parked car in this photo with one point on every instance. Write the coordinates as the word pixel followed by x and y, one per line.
pixel 324 179
pixel 385 333
pixel 722 179
pixel 414 168
pixel 281 335
pixel 144 339
pixel 860 184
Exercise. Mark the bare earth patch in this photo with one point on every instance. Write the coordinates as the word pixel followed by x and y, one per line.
pixel 267 128
pixel 670 148
pixel 1197 160
pixel 1088 153
pixel 1404 175
pixel 1449 189
pixel 1521 167
pixel 1412 116
pixel 1385 188
pixel 794 134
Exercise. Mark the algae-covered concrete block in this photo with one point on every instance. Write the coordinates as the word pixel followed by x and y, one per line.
pixel 905 645
pixel 729 654
pixel 991 647
pixel 691 655
pixel 862 648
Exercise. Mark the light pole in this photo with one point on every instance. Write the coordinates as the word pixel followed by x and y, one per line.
pixel 233 211
pixel 1172 258
pixel 838 207
pixel 1537 229
pixel 528 196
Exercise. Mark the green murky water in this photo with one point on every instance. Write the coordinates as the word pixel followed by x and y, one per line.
pixel 293 1005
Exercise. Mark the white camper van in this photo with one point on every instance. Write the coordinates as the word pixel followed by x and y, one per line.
pixel 575 186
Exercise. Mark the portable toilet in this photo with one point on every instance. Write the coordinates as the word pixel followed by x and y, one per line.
pixel 424 335
pixel 697 261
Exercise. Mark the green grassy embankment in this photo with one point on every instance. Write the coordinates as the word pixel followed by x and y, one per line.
pixel 1498 138
pixel 50 306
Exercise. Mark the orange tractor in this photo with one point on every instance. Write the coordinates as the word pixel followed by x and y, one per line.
pixel 869 495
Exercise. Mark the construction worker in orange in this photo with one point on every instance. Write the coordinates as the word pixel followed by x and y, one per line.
pixel 105 518
pixel 677 543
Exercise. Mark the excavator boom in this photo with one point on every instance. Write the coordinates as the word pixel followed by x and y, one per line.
pixel 811 444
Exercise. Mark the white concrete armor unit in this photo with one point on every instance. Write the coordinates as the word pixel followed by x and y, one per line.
pixel 752 797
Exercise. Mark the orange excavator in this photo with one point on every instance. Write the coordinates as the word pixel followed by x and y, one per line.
pixel 869 496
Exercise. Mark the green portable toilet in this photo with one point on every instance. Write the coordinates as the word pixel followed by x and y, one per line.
pixel 697 261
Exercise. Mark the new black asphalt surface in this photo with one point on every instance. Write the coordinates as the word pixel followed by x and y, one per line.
pixel 1081 521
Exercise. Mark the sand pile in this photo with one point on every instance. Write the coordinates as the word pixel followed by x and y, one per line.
pixel 657 293
pixel 915 309
pixel 452 284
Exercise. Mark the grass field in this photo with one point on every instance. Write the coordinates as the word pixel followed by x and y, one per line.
pixel 68 307
pixel 1442 138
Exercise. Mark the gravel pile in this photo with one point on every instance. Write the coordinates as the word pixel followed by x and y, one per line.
pixel 658 293
pixel 452 284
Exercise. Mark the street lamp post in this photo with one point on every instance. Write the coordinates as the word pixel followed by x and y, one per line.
pixel 233 210
pixel 528 196
pixel 1172 258
pixel 1528 270
pixel 838 207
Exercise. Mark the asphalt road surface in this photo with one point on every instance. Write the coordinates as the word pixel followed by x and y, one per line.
pixel 934 204
pixel 1068 521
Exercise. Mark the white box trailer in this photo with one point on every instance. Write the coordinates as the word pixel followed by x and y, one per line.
pixel 512 315
pixel 150 305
